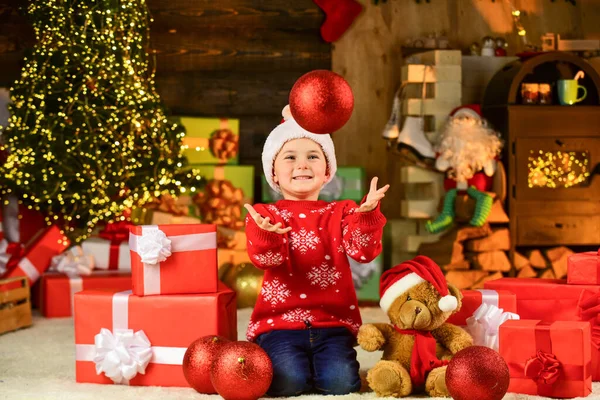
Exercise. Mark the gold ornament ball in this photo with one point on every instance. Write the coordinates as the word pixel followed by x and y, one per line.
pixel 246 280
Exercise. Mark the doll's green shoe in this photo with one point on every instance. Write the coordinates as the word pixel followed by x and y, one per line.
pixel 442 222
pixel 483 206
pixel 446 218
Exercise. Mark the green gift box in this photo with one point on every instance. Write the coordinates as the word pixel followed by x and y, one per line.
pixel 349 183
pixel 211 140
pixel 367 289
pixel 240 176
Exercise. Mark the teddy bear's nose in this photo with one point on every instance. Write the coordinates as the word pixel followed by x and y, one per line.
pixel 417 310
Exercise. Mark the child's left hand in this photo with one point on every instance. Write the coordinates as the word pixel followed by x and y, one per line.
pixel 373 197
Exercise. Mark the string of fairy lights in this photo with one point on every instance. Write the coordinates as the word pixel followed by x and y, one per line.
pixel 88 137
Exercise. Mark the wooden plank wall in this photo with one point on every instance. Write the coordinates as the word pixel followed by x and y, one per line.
pixel 369 57
pixel 226 58
pixel 239 58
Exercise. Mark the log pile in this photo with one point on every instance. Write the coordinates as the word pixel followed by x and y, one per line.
pixel 551 263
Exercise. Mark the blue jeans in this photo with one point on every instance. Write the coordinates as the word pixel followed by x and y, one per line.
pixel 321 360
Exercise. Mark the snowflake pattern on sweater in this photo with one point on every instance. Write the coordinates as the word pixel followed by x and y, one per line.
pixel 308 280
pixel 298 315
pixel 304 240
pixel 252 327
pixel 323 275
pixel 274 292
pixel 269 259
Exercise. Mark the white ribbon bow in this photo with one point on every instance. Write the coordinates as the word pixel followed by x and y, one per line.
pixel 74 262
pixel 485 323
pixel 122 355
pixel 154 246
pixel 4 256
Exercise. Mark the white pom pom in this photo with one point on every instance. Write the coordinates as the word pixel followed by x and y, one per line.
pixel 448 303
pixel 286 112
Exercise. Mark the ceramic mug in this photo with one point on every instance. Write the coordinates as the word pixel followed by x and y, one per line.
pixel 568 90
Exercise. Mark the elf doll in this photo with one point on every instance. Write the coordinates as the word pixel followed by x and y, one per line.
pixel 467 152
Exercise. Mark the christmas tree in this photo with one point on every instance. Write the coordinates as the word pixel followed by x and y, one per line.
pixel 88 136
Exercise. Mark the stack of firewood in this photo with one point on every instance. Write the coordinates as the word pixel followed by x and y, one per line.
pixel 551 263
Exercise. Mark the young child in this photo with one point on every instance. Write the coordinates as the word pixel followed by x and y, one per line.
pixel 306 317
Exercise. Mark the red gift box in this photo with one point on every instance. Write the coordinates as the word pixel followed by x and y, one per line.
pixel 547 359
pixel 553 300
pixel 38 256
pixel 473 299
pixel 584 268
pixel 57 290
pixel 167 325
pixel 173 259
pixel 544 299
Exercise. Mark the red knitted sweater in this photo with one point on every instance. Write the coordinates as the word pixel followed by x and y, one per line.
pixel 308 281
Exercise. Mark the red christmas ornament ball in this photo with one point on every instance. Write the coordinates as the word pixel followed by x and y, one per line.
pixel 477 373
pixel 198 359
pixel 241 371
pixel 321 101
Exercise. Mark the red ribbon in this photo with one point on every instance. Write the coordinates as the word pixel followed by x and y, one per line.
pixel 544 368
pixel 589 310
pixel 16 251
pixel 116 232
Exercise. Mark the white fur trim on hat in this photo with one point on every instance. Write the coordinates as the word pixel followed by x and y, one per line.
pixel 448 303
pixel 286 131
pixel 398 288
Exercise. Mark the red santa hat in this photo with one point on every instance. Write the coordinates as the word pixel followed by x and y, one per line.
pixel 399 279
pixel 468 110
pixel 288 130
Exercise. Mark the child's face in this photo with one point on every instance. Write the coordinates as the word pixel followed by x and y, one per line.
pixel 300 169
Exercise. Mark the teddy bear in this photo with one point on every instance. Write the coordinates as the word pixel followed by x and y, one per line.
pixel 418 343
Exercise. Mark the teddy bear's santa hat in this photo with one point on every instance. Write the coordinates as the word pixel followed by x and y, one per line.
pixel 399 279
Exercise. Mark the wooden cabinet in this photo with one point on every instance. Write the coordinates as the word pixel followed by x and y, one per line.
pixel 552 154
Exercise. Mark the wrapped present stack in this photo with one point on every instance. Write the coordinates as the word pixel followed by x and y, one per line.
pixel 31 250
pixel 554 348
pixel 222 203
pixel 212 149
pixel 175 298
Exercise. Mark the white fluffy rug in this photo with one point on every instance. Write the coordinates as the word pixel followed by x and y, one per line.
pixel 38 363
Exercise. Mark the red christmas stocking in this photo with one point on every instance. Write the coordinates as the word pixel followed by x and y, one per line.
pixel 340 15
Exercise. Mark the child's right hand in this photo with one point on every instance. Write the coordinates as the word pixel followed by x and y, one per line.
pixel 264 223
